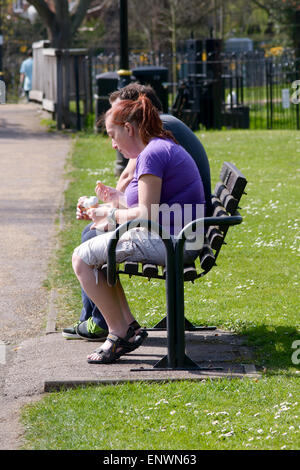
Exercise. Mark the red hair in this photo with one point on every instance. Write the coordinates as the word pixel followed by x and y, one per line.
pixel 142 113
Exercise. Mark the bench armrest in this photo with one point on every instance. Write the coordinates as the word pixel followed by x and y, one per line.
pixel 226 221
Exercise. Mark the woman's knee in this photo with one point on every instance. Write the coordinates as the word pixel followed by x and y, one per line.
pixel 78 265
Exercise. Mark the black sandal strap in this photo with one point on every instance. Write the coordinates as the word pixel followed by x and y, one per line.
pixel 111 355
pixel 135 325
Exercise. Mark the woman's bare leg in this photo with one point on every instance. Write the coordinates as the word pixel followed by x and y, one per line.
pixel 111 301
pixel 124 304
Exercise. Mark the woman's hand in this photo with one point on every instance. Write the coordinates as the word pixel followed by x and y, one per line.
pixel 98 215
pixel 105 193
pixel 110 195
pixel 80 211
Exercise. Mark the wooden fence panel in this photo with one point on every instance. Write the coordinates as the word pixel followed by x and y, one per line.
pixel 59 78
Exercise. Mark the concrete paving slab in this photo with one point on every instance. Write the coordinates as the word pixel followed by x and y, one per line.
pixel 50 362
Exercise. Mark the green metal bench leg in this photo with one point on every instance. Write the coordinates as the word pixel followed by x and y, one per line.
pixel 182 360
pixel 169 361
pixel 176 358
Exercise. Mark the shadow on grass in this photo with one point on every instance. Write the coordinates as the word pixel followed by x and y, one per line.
pixel 272 345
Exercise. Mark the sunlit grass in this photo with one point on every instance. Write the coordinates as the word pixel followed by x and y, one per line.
pixel 222 414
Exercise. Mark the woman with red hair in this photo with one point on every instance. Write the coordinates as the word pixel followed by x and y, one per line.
pixel 166 176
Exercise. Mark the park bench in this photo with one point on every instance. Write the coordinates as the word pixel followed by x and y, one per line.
pixel 225 204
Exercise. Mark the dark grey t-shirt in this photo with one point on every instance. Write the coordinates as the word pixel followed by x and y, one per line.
pixel 189 141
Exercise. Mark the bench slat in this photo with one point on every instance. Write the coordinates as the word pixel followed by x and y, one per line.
pixel 215 237
pixel 190 273
pixel 233 179
pixel 150 270
pixel 229 202
pixel 207 258
pixel 218 208
pixel 131 267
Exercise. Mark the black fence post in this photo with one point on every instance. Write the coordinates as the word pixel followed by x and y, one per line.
pixel 269 94
pixel 59 75
pixel 76 72
pixel 89 85
pixel 297 77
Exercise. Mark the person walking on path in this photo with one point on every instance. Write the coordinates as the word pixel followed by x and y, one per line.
pixel 26 74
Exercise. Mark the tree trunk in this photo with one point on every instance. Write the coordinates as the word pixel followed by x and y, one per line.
pixel 61 26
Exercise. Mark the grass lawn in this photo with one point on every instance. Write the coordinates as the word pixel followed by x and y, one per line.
pixel 253 291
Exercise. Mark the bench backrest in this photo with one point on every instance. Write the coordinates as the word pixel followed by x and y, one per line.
pixel 225 201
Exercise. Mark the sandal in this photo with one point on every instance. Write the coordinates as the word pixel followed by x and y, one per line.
pixel 139 339
pixel 140 336
pixel 119 346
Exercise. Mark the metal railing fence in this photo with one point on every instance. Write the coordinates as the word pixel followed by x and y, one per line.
pixel 237 90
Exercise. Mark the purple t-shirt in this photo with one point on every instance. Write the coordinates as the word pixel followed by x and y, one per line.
pixel 181 182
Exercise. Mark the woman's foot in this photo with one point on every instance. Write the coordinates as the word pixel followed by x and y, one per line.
pixel 113 348
pixel 134 338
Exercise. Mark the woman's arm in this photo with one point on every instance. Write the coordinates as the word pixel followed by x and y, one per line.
pixel 126 175
pixel 110 195
pixel 116 196
pixel 149 191
pixel 149 188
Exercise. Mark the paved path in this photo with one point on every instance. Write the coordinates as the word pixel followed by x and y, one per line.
pixel 31 187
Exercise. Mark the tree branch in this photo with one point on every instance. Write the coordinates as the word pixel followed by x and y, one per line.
pixel 43 10
pixel 78 16
pixel 269 8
